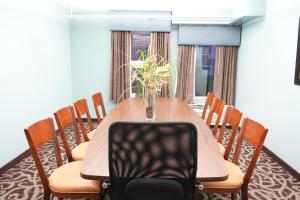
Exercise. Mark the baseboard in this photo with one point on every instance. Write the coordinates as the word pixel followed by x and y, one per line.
pixel 25 154
pixel 282 163
pixel 15 161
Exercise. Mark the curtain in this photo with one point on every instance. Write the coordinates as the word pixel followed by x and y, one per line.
pixel 120 65
pixel 225 73
pixel 186 73
pixel 160 45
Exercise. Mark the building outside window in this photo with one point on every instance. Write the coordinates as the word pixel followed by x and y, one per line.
pixel 204 71
pixel 140 41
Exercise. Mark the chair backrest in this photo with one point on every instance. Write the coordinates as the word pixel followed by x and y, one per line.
pixel 37 135
pixel 153 188
pixel 98 101
pixel 164 151
pixel 81 108
pixel 232 117
pixel 217 108
pixel 65 117
pixel 208 103
pixel 254 133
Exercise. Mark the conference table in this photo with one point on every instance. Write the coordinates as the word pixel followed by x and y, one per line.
pixel 210 162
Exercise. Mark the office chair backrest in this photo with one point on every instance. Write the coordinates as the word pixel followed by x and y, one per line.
pixel 144 155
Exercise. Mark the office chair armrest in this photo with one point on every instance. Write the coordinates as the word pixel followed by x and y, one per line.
pixel 199 185
pixel 105 184
pixel 104 188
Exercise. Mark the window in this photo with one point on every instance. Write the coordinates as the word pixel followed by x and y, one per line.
pixel 140 41
pixel 205 65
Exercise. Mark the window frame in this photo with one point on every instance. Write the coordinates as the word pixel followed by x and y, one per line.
pixel 200 100
pixel 136 61
pixel 139 33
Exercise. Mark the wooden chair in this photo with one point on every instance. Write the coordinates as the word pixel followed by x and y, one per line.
pixel 81 108
pixel 98 101
pixel 232 117
pixel 217 108
pixel 65 181
pixel 65 117
pixel 255 134
pixel 208 103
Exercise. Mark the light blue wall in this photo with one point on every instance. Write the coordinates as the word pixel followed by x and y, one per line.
pixel 91 58
pixel 35 71
pixel 265 77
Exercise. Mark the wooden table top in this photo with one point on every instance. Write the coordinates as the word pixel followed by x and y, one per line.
pixel 211 165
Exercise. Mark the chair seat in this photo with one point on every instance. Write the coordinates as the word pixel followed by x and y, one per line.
pixel 67 179
pixel 235 178
pixel 78 152
pixel 91 134
pixel 221 148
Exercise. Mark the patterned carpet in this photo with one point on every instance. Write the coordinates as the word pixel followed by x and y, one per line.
pixel 269 180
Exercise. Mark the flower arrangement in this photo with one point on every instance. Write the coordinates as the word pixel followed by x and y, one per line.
pixel 150 73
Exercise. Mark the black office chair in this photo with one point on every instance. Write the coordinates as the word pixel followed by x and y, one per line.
pixel 152 161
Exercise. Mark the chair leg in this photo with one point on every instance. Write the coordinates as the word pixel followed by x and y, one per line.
pixel 97 197
pixel 196 195
pixel 234 196
pixel 244 193
pixel 46 195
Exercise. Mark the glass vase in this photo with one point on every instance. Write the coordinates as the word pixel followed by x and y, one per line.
pixel 150 103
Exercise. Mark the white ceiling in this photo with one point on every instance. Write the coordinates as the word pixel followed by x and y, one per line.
pixel 183 11
pixel 179 6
